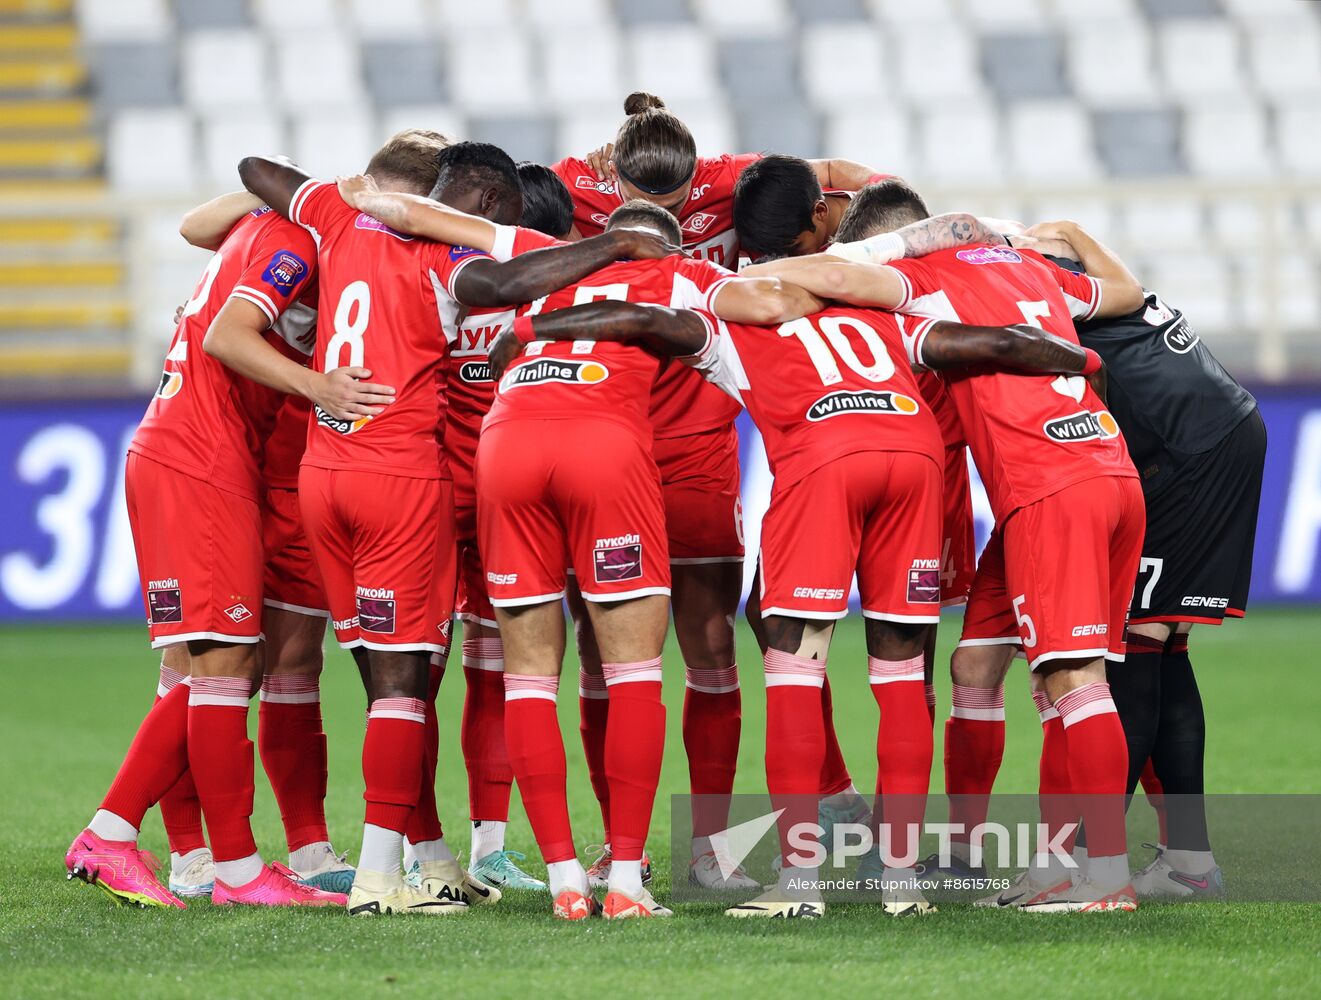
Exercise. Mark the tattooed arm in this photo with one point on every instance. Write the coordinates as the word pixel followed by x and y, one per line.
pixel 663 331
pixel 939 232
pixel 828 277
pixel 1014 348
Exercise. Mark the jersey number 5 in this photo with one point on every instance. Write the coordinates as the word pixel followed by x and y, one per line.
pixel 1072 386
pixel 350 324
pixel 823 351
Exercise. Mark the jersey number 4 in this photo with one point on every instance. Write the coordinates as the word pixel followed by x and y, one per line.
pixel 830 344
pixel 351 314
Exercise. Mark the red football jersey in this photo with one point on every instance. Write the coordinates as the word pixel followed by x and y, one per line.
pixel 387 304
pixel 286 443
pixel 206 420
pixel 470 389
pixel 609 380
pixel 831 384
pixel 707 218
pixel 1030 435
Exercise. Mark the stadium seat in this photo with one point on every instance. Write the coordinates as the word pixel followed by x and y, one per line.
pixel 1200 284
pixel 280 18
pixel 224 69
pixel 639 12
pixel 844 63
pixel 1162 221
pixel 440 118
pixel 586 127
pixel 1243 222
pixel 196 14
pixel 1228 139
pixel 829 11
pixel 785 127
pixel 1293 293
pixel 122 20
pixel 1007 15
pixel 135 74
pixel 880 137
pixel 399 70
pixel 1139 142
pixel 710 122
pixel 962 143
pixel 1200 59
pixel 1252 12
pixel 467 17
pixel 1112 62
pixel 672 61
pixel 474 83
pixel 760 70
pixel 1298 127
pixel 152 151
pixel 1051 141
pixel 572 81
pixel 391 19
pixel 228 136
pixel 329 142
pixel 1074 16
pixel 1286 58
pixel 1022 66
pixel 936 64
pixel 317 69
pixel 906 13
pixel 524 137
pixel 570 15
pixel 1165 10
pixel 1093 212
pixel 743 17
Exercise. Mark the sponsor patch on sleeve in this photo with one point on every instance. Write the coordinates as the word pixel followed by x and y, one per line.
pixel 459 253
pixel 285 271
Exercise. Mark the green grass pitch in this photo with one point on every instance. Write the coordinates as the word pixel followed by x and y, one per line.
pixel 73 696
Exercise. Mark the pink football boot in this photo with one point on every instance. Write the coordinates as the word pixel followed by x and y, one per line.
pixel 277 885
pixel 120 869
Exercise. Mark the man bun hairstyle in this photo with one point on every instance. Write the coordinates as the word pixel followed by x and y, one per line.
pixel 654 151
pixel 410 157
pixel 640 214
pixel 547 204
pixel 881 208
pixel 773 202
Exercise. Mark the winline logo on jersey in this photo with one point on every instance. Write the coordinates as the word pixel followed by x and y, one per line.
pixel 555 370
pixel 337 425
pixel 834 404
pixel 1084 426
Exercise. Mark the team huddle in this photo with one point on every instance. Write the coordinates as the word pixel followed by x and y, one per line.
pixel 457 388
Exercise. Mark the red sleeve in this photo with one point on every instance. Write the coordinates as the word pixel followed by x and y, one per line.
pixel 696 283
pixel 533 239
pixel 919 278
pixel 316 204
pixel 279 268
pixel 1081 291
pixel 740 162
pixel 448 261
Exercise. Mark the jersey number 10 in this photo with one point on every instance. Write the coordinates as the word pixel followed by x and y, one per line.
pixel 830 344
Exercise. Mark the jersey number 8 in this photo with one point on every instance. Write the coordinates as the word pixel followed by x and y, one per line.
pixel 350 325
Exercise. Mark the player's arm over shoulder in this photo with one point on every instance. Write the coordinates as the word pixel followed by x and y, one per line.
pixel 1107 289
pixel 275 180
pixel 829 277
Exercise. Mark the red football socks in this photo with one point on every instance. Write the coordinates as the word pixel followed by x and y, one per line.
pixel 594 714
pixel 903 754
pixel 292 744
pixel 974 748
pixel 634 745
pixel 221 759
pixel 712 720
pixel 536 755
pixel 392 761
pixel 482 734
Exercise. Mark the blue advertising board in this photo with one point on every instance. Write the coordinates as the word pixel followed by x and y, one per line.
pixel 66 551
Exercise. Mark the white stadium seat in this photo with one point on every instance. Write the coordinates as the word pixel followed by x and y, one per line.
pixel 1228 139
pixel 672 62
pixel 1006 15
pixel 1298 131
pixel 585 128
pixel 1112 63
pixel 1200 59
pixel 937 65
pixel 1162 221
pixel 333 142
pixel 907 12
pixel 1286 58
pixel 436 117
pixel 1200 284
pixel 571 79
pixel 493 76
pixel 228 136
pixel 962 143
pixel 390 19
pixel 1051 140
pixel 743 17
pixel 225 69
pixel 152 152
pixel 280 17
pixel 1095 214
pixel 570 14
pixel 844 63
pixel 1246 222
pixel 710 122
pixel 476 16
pixel 1294 293
pixel 124 20
pixel 879 135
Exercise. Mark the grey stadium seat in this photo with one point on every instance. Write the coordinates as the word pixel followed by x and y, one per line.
pixel 404 72
pixel 212 13
pixel 760 70
pixel 1164 10
pixel 829 10
pixel 1139 143
pixel 634 12
pixel 135 74
pixel 522 137
pixel 1024 67
pixel 786 127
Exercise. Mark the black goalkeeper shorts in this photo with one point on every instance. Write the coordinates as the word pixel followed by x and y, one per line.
pixel 1197 557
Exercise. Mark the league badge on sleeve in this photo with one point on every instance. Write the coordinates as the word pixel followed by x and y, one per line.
pixel 285 271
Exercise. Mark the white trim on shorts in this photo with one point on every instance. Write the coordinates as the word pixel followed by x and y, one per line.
pixel 472 619
pixel 1068 654
pixel 518 602
pixel 953 602
pixel 1010 640
pixel 914 619
pixel 395 647
pixel 817 615
pixel 238 640
pixel 296 608
pixel 626 595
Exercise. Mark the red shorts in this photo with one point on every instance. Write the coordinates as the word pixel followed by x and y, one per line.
pixel 384 545
pixel 699 476
pixel 587 488
pixel 292 582
pixel 473 603
pixel 958 552
pixel 1057 577
pixel 876 513
pixel 199 555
